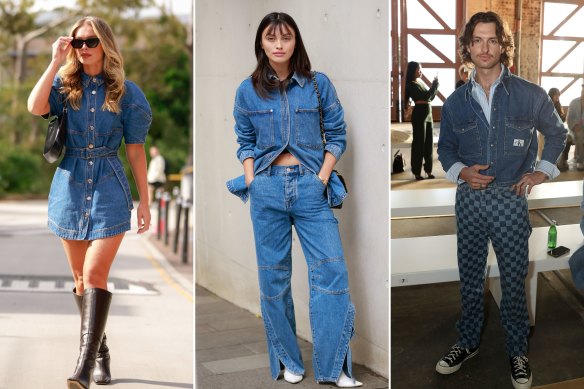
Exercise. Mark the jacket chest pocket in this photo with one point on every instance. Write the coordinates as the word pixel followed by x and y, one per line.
pixel 263 124
pixel 518 133
pixel 469 142
pixel 308 128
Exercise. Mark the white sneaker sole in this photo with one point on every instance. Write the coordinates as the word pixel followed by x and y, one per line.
pixel 449 370
pixel 518 385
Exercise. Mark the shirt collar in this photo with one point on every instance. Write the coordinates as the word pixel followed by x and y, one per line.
pixel 295 77
pixel 502 79
pixel 86 79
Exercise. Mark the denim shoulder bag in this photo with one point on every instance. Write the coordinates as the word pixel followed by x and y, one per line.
pixel 55 139
pixel 341 178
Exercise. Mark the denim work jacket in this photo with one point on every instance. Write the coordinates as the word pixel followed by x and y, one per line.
pixel 509 143
pixel 289 119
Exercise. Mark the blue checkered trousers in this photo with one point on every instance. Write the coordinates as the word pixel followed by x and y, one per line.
pixel 496 214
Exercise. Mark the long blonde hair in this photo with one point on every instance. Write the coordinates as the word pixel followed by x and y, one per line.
pixel 113 67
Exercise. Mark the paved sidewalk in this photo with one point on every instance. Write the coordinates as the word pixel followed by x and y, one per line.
pixel 231 350
pixel 150 326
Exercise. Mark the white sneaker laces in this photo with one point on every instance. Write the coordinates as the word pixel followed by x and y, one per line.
pixel 520 367
pixel 454 353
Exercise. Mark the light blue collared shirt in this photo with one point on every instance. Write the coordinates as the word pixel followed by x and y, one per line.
pixel 478 93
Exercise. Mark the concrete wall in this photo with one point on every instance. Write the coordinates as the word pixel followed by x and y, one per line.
pixel 348 40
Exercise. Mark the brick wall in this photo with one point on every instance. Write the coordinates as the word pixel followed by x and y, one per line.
pixel 531 40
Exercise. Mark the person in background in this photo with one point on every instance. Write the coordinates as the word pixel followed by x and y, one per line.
pixel 422 125
pixel 463 72
pixel 554 94
pixel 90 203
pixel 156 173
pixel 488 147
pixel 575 121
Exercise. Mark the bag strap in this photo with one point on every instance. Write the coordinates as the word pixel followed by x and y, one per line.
pixel 397 153
pixel 319 108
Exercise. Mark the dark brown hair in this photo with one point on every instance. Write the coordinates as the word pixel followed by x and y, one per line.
pixel 299 61
pixel 411 75
pixel 504 37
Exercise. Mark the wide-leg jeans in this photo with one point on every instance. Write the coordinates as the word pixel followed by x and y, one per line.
pixel 283 196
pixel 497 214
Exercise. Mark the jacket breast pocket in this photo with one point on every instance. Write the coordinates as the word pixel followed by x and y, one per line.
pixel 518 133
pixel 469 142
pixel 263 124
pixel 308 128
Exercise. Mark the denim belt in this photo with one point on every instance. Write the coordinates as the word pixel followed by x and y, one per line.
pixel 277 170
pixel 86 153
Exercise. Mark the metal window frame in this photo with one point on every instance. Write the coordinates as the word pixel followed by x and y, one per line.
pixel 552 36
pixel 400 48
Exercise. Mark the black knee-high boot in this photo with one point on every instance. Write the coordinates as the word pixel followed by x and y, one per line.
pixel 94 311
pixel 101 374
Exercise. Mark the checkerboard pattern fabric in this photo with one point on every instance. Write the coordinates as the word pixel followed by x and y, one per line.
pixel 498 215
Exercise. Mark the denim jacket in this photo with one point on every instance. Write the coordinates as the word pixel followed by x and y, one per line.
pixel 509 143
pixel 289 119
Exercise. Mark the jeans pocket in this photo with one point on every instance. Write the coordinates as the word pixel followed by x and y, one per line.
pixel 317 178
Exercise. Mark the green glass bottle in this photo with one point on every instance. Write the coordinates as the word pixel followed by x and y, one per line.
pixel 552 236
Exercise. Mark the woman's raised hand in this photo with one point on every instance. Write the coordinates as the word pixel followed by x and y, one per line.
pixel 61 47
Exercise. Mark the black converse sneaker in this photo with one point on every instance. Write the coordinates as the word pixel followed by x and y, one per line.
pixel 452 361
pixel 520 372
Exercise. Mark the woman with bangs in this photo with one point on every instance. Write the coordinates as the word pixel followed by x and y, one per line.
pixel 90 201
pixel 288 161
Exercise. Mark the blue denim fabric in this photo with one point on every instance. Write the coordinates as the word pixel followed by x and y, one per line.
pixel 498 215
pixel 576 263
pixel 335 190
pixel 509 143
pixel 289 119
pixel 90 196
pixel 283 196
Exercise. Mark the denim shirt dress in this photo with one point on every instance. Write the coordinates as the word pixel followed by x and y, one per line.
pixel 90 196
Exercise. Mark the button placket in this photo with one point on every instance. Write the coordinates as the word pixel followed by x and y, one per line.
pixel 88 196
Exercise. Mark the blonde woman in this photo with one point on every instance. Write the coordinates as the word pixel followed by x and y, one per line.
pixel 90 201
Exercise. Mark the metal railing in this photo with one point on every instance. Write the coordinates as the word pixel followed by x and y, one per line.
pixel 182 208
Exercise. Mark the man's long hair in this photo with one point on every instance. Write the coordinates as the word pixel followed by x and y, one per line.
pixel 504 37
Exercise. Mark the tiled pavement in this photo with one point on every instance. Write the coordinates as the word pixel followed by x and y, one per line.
pixel 231 350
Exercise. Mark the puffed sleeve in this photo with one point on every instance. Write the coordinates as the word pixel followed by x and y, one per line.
pixel 55 98
pixel 136 115
pixel 246 135
pixel 333 117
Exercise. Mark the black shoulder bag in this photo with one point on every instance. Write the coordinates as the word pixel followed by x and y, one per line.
pixel 323 136
pixel 55 139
